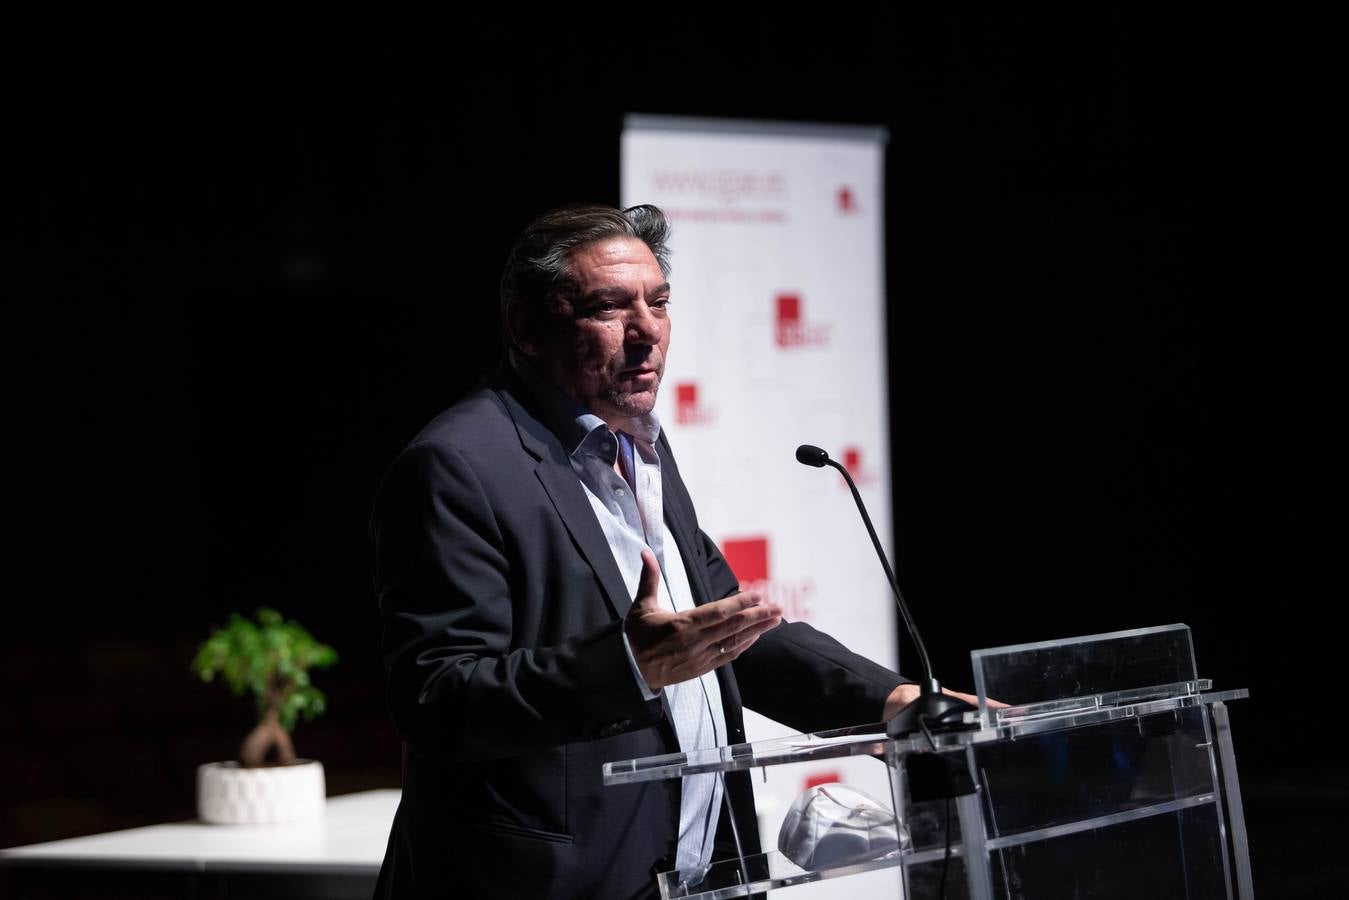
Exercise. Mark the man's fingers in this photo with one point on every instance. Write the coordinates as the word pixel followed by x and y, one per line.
pixel 648 585
pixel 738 634
pixel 742 640
pixel 761 617
pixel 711 614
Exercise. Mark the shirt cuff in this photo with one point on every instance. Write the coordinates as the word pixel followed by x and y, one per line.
pixel 647 693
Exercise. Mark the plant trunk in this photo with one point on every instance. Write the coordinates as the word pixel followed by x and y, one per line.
pixel 268 735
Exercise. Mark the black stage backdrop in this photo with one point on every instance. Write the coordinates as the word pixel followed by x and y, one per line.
pixel 239 300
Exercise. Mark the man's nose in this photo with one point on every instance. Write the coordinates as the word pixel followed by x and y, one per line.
pixel 643 325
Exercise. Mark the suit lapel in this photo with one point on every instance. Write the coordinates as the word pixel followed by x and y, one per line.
pixel 680 522
pixel 564 489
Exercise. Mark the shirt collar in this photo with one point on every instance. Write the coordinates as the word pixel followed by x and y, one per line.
pixel 575 426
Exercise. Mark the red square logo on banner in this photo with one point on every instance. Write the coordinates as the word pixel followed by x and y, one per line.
pixel 688 410
pixel 846 203
pixel 748 558
pixel 789 320
pixel 792 328
pixel 852 461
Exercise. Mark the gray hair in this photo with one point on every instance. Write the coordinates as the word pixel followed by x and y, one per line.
pixel 538 270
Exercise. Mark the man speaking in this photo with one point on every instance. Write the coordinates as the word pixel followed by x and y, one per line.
pixel 550 603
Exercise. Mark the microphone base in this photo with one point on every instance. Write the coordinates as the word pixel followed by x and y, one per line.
pixel 940 712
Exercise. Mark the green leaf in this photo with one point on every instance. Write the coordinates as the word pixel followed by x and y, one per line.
pixel 269 656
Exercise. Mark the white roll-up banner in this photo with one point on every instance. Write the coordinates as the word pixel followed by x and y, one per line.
pixel 778 318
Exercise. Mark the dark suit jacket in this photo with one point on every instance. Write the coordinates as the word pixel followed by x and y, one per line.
pixel 508 679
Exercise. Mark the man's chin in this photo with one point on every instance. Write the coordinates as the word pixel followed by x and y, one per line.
pixel 633 404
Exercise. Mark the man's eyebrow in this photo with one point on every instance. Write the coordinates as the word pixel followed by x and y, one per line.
pixel 618 293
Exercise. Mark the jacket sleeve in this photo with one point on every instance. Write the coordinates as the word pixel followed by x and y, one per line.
pixel 459 686
pixel 801 677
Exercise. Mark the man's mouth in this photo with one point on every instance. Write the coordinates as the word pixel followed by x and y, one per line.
pixel 639 379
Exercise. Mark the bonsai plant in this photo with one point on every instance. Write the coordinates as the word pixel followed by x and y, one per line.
pixel 270 659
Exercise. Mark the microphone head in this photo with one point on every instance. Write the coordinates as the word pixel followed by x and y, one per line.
pixel 811 456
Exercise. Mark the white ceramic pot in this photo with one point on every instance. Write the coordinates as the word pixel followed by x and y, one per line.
pixel 229 794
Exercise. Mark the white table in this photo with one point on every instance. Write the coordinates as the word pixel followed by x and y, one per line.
pixel 338 855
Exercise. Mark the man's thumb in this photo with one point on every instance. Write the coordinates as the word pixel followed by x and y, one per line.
pixel 648 587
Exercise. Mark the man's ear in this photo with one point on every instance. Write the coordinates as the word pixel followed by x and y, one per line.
pixel 523 328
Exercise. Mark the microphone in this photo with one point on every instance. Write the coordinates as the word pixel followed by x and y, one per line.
pixel 812 456
pixel 932 706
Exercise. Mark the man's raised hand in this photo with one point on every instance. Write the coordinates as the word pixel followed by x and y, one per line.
pixel 672 647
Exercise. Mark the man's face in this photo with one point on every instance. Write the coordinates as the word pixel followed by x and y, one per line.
pixel 606 347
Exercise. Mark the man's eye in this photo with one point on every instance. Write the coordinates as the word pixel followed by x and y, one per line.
pixel 662 303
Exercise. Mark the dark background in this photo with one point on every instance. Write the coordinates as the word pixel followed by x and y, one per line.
pixel 237 298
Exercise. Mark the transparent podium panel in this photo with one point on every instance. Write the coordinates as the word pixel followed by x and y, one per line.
pixel 1098 773
pixel 1110 775
pixel 1075 670
pixel 1159 857
pixel 1139 798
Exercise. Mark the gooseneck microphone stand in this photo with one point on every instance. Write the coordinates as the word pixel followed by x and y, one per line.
pixel 933 710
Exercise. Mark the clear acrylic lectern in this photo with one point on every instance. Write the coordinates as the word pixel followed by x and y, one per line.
pixel 1111 774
